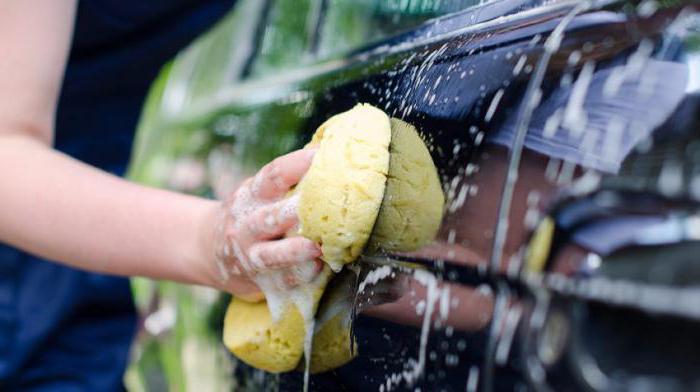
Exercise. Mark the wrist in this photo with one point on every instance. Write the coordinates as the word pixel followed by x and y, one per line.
pixel 202 269
pixel 210 270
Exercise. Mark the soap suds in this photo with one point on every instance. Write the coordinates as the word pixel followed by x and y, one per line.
pixel 415 368
pixel 374 276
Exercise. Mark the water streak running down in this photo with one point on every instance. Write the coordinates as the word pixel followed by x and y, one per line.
pixel 308 346
pixel 510 325
pixel 415 368
pixel 531 100
pixel 473 379
pixel 302 297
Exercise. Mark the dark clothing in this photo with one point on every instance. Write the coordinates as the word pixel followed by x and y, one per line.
pixel 60 328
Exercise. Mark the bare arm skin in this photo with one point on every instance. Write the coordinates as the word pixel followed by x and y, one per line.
pixel 64 210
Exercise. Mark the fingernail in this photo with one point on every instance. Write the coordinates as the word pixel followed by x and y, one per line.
pixel 314 249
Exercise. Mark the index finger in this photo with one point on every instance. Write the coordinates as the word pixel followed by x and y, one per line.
pixel 276 178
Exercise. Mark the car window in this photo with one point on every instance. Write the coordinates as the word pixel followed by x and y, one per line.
pixel 297 32
pixel 348 25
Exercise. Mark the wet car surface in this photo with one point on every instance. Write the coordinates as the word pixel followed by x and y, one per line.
pixel 566 138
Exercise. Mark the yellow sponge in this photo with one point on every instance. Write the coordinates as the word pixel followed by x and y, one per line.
pixel 331 340
pixel 413 202
pixel 331 347
pixel 341 193
pixel 252 335
pixel 409 217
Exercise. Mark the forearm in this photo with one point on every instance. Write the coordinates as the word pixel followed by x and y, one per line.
pixel 66 211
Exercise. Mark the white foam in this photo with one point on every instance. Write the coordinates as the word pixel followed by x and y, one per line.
pixel 278 296
pixel 415 368
pixel 374 276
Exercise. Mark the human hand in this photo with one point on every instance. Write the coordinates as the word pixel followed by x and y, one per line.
pixel 252 226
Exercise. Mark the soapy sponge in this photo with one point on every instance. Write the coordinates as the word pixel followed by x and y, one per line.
pixel 276 346
pixel 371 176
pixel 409 218
pixel 254 338
pixel 332 339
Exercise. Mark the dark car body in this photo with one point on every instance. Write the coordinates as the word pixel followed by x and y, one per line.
pixel 565 134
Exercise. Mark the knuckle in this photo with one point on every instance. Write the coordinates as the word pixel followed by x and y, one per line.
pixel 270 179
pixel 252 226
pixel 262 222
pixel 267 219
pixel 241 191
pixel 256 253
pixel 277 179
